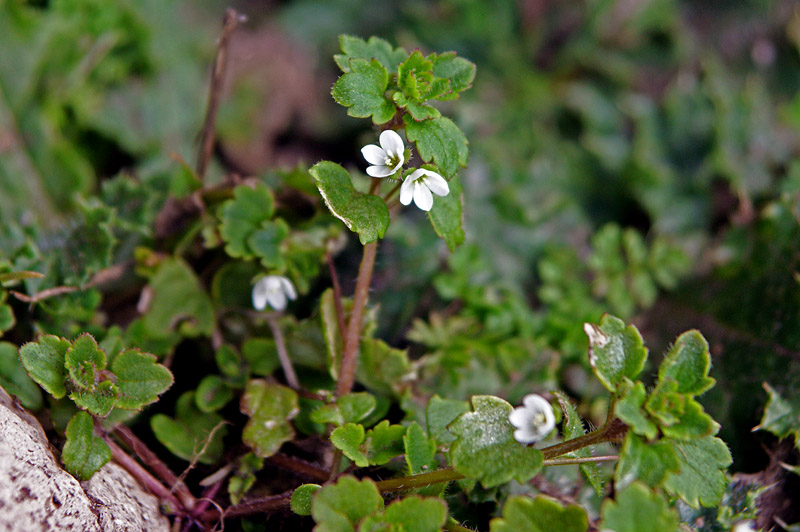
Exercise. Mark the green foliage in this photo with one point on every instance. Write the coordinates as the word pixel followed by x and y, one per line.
pixel 245 476
pixel 573 428
pixel 373 48
pixel 15 380
pixel 485 448
pixel 212 394
pixel 349 408
pixel 687 363
pixel 412 514
pixel 302 497
pixel 701 478
pixel 362 89
pixel 781 416
pixel 439 413
pixel 419 450
pixel 270 407
pixel 341 506
pixel 637 509
pixel 44 361
pixel 84 453
pixel 646 463
pixel 447 216
pixel 439 141
pixel 616 352
pixel 542 514
pixel 191 434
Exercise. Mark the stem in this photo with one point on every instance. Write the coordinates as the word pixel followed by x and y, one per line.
pixel 453 526
pixel 586 460
pixel 419 481
pixel 391 192
pixel 283 355
pixel 255 506
pixel 375 185
pixel 611 431
pixel 353 337
pixel 335 463
pixel 337 295
pixel 299 466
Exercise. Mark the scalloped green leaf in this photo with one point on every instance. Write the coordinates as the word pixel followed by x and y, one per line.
pixel 84 361
pixel 15 380
pixel 84 453
pixel 645 462
pixel 439 413
pixel 411 514
pixel 701 479
pixel 340 507
pixel 458 71
pixel 375 48
pixel 693 423
pixel 615 351
pixel 420 450
pixel 629 408
pixel 349 408
pixel 447 215
pixel 245 477
pixel 212 394
pixel 439 141
pixel 243 215
pixel 542 514
pixel 270 406
pixel 637 509
pixel 349 438
pixel 44 360
pixel 191 432
pixel 384 442
pixel 687 362
pixel 781 416
pixel 302 497
pixel 485 448
pixel 573 428
pixel 139 378
pixel 365 214
pixel 265 243
pixel 99 400
pixel 362 90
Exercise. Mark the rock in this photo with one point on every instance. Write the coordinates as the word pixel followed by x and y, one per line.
pixel 37 494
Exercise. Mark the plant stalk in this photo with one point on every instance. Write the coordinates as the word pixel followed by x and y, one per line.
pixel 283 355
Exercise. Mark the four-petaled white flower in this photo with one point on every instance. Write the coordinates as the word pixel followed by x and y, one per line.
pixel 534 420
pixel 419 186
pixel 274 290
pixel 386 159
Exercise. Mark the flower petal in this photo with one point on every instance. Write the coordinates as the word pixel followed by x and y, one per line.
pixel 288 288
pixel 260 295
pixel 277 300
pixel 525 436
pixel 392 144
pixel 422 196
pixel 407 190
pixel 379 171
pixel 520 417
pixel 436 183
pixel 373 154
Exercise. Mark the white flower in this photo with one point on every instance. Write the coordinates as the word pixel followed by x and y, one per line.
pixel 534 421
pixel 274 290
pixel 386 159
pixel 419 186
pixel 743 526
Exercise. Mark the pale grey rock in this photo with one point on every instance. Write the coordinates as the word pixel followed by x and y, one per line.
pixel 36 494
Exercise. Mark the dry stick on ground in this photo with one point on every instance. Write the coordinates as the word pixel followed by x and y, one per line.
pixel 229 24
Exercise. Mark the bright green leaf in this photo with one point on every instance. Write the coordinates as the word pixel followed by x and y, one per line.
pixel 302 497
pixel 781 416
pixel 374 48
pixel 439 414
pixel 84 360
pixel 693 423
pixel 687 362
pixel 365 214
pixel 701 480
pixel 362 89
pixel 84 453
pixel 212 394
pixel 646 462
pixel 140 379
pixel 175 281
pixel 411 514
pixel 542 514
pixel 245 476
pixel 629 409
pixel 99 400
pixel 265 243
pixel 615 351
pixel 485 447
pixel 340 507
pixel 270 407
pixel 439 141
pixel 447 216
pixel 420 451
pixel 15 380
pixel 348 438
pixel 44 362
pixel 459 71
pixel 637 509
pixel 384 442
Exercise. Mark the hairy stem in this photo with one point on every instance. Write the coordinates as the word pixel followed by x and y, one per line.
pixel 419 481
pixel 353 337
pixel 283 355
pixel 611 431
pixel 586 460
pixel 255 506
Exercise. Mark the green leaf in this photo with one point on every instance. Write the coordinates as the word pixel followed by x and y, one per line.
pixel 265 243
pixel 340 507
pixel 12 277
pixel 7 319
pixel 693 423
pixel 665 404
pixel 375 48
pixel 261 355
pixel 440 141
pixel 191 431
pixel 302 497
pixel 15 380
pixel 384 442
pixel 447 216
pixel 44 361
pixel 439 413
pixel 84 362
pixel 348 438
pixel 244 477
pixel 542 514
pixel 84 453
pixel 362 89
pixel 243 215
pixel 99 400
pixel 175 281
pixel 140 379
pixel 382 368
pixel 270 407
pixel 365 214
pixel 420 451
pixel 459 71
pixel 573 428
pixel 231 365
pixel 648 463
pixel 637 509
pixel 615 351
pixel 629 409
pixel 411 514
pixel 701 479
pixel 781 416
pixel 485 447
pixel 212 394
pixel 349 408
pixel 331 332
pixel 687 362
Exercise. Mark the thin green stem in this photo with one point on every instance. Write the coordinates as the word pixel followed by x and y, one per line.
pixel 419 481
pixel 585 460
pixel 352 340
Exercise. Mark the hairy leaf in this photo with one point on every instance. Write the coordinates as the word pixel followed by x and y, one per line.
pixel 637 509
pixel 84 453
pixel 341 506
pixel 701 479
pixel 615 351
pixel 140 379
pixel 44 361
pixel 542 514
pixel 362 89
pixel 439 141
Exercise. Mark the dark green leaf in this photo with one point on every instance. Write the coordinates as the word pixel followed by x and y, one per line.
pixel 243 215
pixel 265 243
pixel 420 450
pixel 542 514
pixel 646 462
pixel 693 423
pixel 781 416
pixel 349 408
pixel 439 141
pixel 365 214
pixel 84 361
pixel 573 428
pixel 637 509
pixel 44 362
pixel 340 507
pixel 175 281
pixel 302 497
pixel 459 71
pixel 192 432
pixel 687 362
pixel 362 89
pixel 84 453
pixel 447 216
pixel 212 394
pixel 15 380
pixel 629 409
pixel 701 480
pixel 384 442
pixel 374 48
pixel 261 355
pixel 270 407
pixel 348 438
pixel 439 414
pixel 140 379
pixel 615 351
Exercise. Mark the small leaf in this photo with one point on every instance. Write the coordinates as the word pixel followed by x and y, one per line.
pixel 615 351
pixel 331 332
pixel 212 394
pixel 140 379
pixel 84 453
pixel 447 216
pixel 781 416
pixel 384 442
pixel 420 451
pixel 382 368
pixel 693 423
pixel 459 71
pixel 365 214
pixel 349 408
pixel 188 434
pixel 439 414
pixel 687 362
pixel 302 497
pixel 175 281
pixel 261 355
pixel 12 277
pixel 629 409
pixel 573 428
pixel 84 360
pixel 231 365
pixel 243 215
pixel 44 361
pixel 362 89
pixel 645 462
pixel 374 48
pixel 701 480
pixel 265 243
pixel 270 407
pixel 245 476
pixel 411 514
pixel 15 380
pixel 542 514
pixel 485 447
pixel 637 509
pixel 99 400
pixel 348 439
pixel 438 141
pixel 340 507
